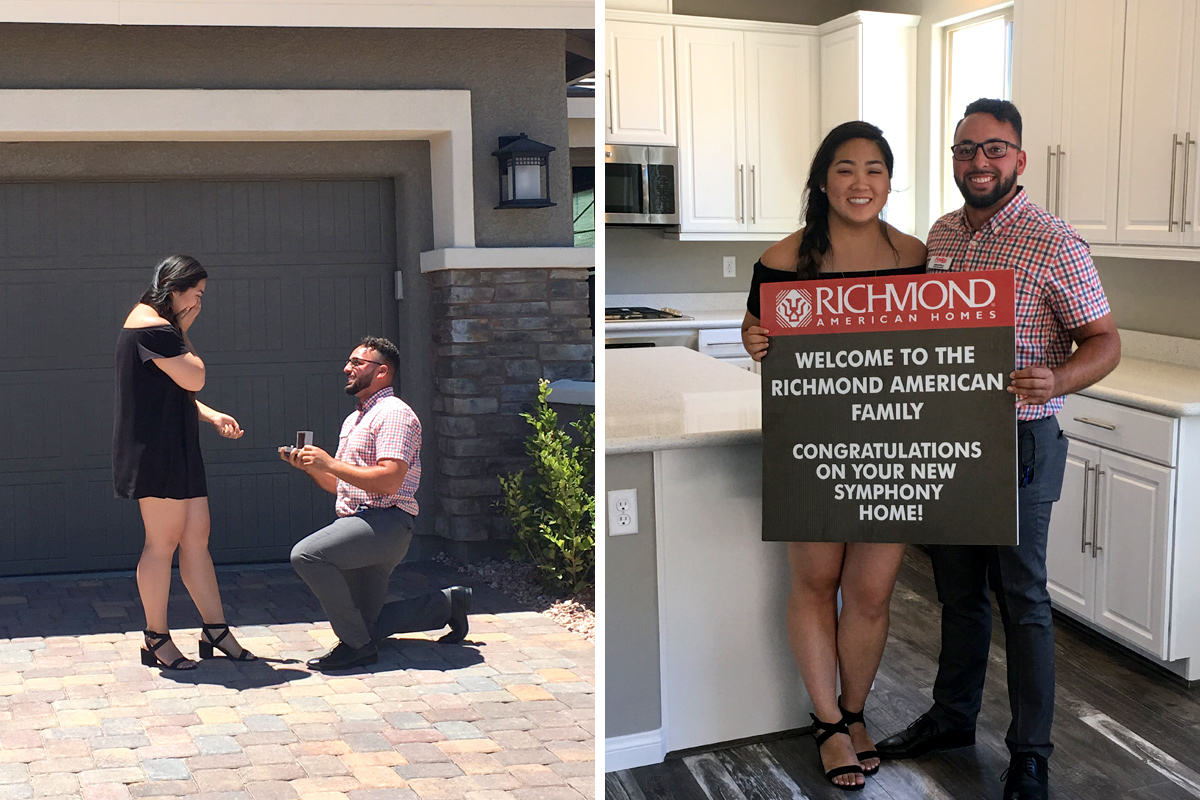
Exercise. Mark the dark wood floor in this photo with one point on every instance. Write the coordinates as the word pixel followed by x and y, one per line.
pixel 1122 728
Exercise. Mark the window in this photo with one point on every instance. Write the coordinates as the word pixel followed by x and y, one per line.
pixel 583 205
pixel 978 64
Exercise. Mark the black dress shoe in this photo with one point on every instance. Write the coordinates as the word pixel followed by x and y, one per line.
pixel 921 737
pixel 460 604
pixel 1027 778
pixel 343 656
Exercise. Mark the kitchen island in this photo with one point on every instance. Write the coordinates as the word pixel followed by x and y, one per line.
pixel 695 601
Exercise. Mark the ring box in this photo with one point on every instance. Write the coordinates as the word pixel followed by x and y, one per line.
pixel 303 439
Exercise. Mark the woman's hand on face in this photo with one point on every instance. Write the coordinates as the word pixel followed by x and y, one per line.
pixel 188 316
pixel 756 341
pixel 227 426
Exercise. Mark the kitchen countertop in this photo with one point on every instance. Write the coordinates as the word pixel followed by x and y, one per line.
pixel 664 398
pixel 1159 374
pixel 1167 389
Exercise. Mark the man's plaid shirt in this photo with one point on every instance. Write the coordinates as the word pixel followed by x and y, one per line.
pixel 384 426
pixel 1057 285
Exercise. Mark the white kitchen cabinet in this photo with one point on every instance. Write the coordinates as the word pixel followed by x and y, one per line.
pixel 780 127
pixel 1132 530
pixel 746 101
pixel 1106 560
pixel 868 69
pixel 1070 566
pixel 725 344
pixel 1158 127
pixel 712 130
pixel 1067 83
pixel 1121 546
pixel 639 83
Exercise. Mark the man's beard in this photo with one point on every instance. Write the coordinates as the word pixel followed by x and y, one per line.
pixel 1003 186
pixel 357 385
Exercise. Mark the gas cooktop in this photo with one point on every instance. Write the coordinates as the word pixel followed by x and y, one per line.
pixel 641 314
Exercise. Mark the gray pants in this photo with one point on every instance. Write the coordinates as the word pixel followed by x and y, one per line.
pixel 964 573
pixel 348 563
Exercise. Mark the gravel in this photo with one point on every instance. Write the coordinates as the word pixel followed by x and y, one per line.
pixel 576 613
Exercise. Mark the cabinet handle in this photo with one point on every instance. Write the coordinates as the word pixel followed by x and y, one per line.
pixel 1083 542
pixel 1058 183
pixel 1093 423
pixel 608 97
pixel 1171 203
pixel 1049 171
pixel 753 204
pixel 1096 548
pixel 741 192
pixel 1188 141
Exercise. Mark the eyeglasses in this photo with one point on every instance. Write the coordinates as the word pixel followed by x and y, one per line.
pixel 992 148
pixel 358 362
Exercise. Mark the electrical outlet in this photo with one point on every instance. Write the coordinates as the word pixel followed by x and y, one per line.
pixel 622 512
pixel 729 266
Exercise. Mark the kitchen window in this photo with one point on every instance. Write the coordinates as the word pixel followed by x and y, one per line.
pixel 978 63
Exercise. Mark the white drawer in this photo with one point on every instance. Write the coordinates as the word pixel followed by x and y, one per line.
pixel 722 343
pixel 1127 430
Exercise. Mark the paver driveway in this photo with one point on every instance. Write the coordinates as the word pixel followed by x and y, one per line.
pixel 507 714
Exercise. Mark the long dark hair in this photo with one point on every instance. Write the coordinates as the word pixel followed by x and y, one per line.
pixel 814 242
pixel 173 274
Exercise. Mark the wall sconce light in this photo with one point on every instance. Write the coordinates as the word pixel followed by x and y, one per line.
pixel 524 172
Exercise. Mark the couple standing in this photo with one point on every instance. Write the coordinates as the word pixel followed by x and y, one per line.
pixel 1059 302
pixel 375 475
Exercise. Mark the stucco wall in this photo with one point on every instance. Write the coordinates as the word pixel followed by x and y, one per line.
pixel 516 80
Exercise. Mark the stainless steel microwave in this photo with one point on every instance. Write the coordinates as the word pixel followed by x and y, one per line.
pixel 641 185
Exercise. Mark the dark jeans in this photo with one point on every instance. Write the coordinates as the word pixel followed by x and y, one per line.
pixel 348 563
pixel 964 573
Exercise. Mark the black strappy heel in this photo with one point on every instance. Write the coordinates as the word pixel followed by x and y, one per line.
pixel 150 653
pixel 208 642
pixel 850 718
pixel 821 732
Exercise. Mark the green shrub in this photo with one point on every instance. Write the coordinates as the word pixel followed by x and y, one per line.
pixel 550 504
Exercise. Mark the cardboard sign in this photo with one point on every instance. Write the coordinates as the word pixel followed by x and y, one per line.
pixel 886 415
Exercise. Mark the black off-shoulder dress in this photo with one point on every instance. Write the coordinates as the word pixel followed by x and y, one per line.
pixel 156 427
pixel 763 274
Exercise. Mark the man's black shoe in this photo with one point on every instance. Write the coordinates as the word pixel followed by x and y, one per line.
pixel 343 656
pixel 921 737
pixel 1027 778
pixel 460 604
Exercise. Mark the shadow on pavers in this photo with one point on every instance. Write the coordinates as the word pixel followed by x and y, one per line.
pixel 259 594
pixel 395 654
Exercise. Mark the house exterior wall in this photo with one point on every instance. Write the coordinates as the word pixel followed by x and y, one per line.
pixel 516 80
pixel 516 84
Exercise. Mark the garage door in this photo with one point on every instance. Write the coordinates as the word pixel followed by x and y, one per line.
pixel 299 271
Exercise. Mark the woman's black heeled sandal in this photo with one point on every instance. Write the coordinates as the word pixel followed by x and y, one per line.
pixel 150 653
pixel 850 718
pixel 821 732
pixel 207 643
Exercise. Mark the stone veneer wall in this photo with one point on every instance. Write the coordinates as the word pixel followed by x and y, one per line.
pixel 496 332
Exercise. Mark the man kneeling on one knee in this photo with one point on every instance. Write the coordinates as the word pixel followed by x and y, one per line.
pixel 375 475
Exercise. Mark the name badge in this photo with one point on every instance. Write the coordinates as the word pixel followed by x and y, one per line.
pixel 938 264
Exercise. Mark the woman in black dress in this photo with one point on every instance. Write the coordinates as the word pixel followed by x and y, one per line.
pixel 156 457
pixel 842 237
